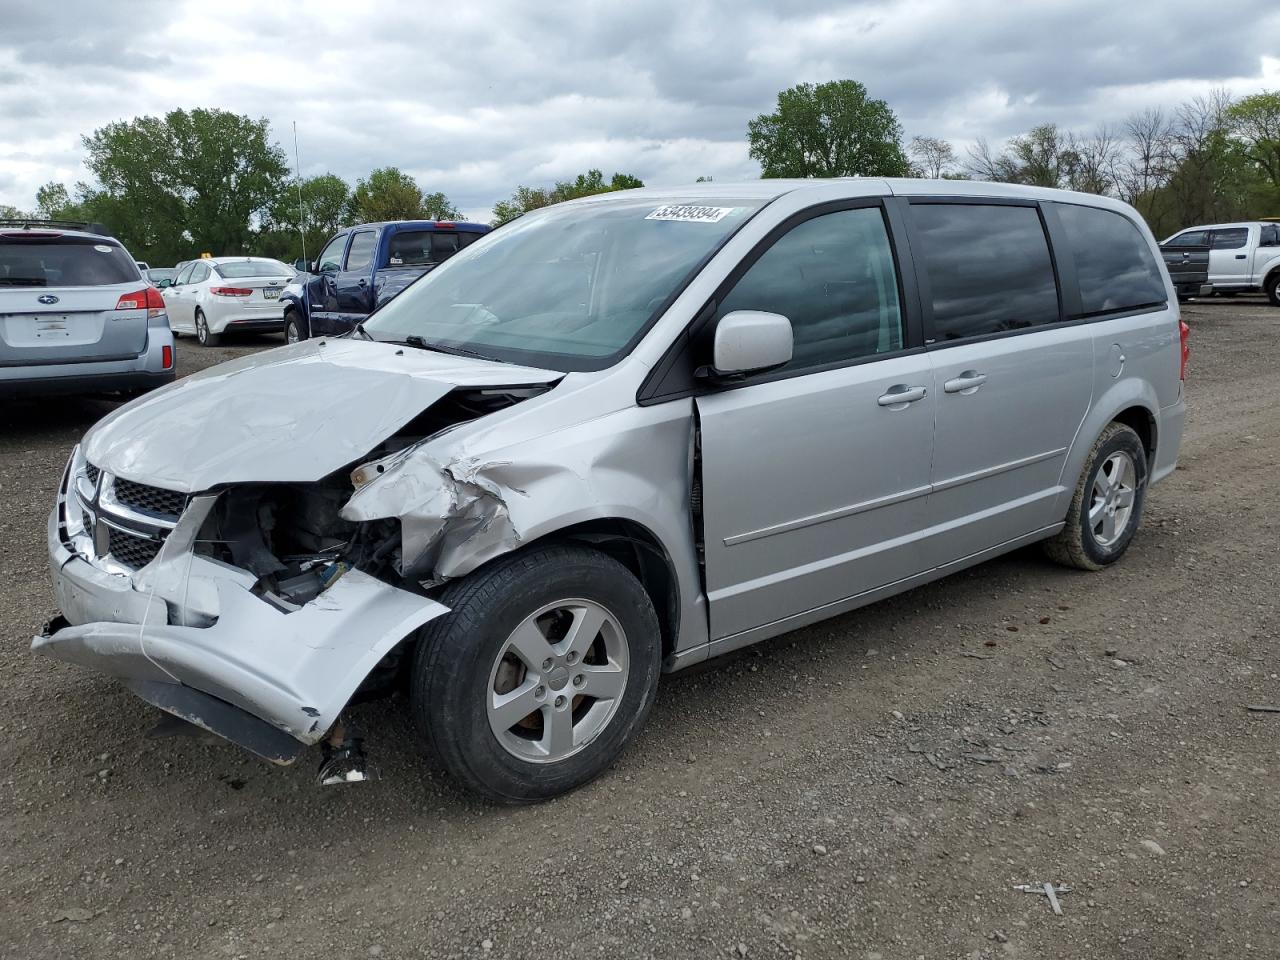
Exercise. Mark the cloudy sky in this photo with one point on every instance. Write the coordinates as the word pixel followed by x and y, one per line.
pixel 475 97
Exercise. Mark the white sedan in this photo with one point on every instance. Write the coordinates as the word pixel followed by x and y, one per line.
pixel 218 295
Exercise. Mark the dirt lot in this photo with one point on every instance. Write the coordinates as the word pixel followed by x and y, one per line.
pixel 870 787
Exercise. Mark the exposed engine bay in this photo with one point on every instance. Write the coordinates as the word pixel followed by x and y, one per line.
pixel 293 538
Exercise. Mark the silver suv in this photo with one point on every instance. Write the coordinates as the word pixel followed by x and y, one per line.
pixel 76 315
pixel 619 436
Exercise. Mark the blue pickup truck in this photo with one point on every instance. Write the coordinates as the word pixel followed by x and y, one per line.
pixel 363 267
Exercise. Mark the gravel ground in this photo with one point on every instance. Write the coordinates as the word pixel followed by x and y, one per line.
pixel 870 787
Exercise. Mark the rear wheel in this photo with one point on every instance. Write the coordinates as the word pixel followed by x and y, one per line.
pixel 1107 506
pixel 293 328
pixel 541 674
pixel 206 336
pixel 1272 287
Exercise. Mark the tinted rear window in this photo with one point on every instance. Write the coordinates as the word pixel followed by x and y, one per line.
pixel 253 268
pixel 417 247
pixel 1114 264
pixel 64 263
pixel 988 266
pixel 1231 239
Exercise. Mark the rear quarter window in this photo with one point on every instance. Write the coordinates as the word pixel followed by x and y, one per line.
pixel 64 263
pixel 1114 264
pixel 1233 238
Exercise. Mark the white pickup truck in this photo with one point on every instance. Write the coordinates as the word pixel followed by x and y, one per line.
pixel 1242 256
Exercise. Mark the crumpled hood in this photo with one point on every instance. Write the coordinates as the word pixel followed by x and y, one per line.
pixel 294 414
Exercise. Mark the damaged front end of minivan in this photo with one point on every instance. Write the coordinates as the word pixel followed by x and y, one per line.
pixel 258 606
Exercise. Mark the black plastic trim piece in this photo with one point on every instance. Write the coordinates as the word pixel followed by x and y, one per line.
pixel 217 716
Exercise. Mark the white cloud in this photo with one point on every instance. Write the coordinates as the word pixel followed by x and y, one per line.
pixel 473 99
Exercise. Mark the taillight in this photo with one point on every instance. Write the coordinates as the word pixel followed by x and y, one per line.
pixel 166 357
pixel 1184 338
pixel 147 298
pixel 231 291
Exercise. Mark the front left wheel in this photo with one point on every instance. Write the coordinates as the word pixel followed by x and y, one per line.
pixel 294 331
pixel 541 674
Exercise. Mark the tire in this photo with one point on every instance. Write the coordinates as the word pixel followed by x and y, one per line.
pixel 294 329
pixel 206 336
pixel 1093 544
pixel 466 662
pixel 1272 288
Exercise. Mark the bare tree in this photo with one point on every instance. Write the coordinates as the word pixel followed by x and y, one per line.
pixel 933 157
pixel 984 164
pixel 1148 157
pixel 1092 162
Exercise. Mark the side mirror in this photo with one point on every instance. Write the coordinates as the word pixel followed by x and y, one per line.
pixel 302 266
pixel 749 341
pixel 166 282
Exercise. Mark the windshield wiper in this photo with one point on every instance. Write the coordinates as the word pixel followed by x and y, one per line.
pixel 422 343
pixel 359 328
pixel 23 282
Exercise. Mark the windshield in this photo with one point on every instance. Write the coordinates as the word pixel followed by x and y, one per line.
pixel 253 268
pixel 64 262
pixel 569 288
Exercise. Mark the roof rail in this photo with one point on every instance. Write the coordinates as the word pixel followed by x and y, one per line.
pixel 85 226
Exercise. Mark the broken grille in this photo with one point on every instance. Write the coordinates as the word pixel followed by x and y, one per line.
pixel 131 550
pixel 155 501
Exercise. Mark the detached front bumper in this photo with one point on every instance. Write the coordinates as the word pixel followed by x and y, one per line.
pixel 266 679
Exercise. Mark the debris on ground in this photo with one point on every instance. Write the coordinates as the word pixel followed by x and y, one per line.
pixel 1045 890
pixel 74 914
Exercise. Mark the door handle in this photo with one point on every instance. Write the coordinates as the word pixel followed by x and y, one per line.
pixel 363 282
pixel 967 383
pixel 900 394
pixel 1242 256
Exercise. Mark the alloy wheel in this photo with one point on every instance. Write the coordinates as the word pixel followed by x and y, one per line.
pixel 557 681
pixel 1111 503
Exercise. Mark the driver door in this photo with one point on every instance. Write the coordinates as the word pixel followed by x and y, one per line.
pixel 322 287
pixel 816 476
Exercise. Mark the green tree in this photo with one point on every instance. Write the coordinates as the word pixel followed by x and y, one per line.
pixel 387 194
pixel 1255 121
pixel 53 202
pixel 325 207
pixel 8 212
pixel 586 184
pixel 436 206
pixel 187 182
pixel 828 130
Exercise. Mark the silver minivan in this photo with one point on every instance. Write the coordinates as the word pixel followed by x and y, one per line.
pixel 76 315
pixel 615 437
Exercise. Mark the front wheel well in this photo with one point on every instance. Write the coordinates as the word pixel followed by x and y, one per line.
pixel 637 549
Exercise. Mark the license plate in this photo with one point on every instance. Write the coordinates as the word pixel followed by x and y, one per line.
pixel 271 293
